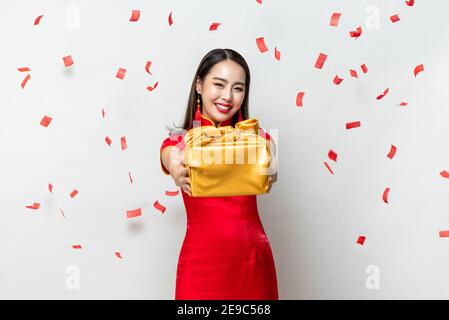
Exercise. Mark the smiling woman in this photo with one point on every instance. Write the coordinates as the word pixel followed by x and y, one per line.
pixel 226 253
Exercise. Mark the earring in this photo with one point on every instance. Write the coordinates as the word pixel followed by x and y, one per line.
pixel 240 116
pixel 198 110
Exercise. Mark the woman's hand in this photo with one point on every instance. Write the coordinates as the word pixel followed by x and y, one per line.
pixel 180 173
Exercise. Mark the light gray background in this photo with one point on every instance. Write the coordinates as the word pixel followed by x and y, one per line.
pixel 312 218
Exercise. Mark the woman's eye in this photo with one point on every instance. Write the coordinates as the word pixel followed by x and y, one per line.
pixel 239 89
pixel 219 84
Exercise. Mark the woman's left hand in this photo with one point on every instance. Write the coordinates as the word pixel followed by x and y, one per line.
pixel 272 179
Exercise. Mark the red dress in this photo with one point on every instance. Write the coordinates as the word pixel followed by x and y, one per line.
pixel 225 254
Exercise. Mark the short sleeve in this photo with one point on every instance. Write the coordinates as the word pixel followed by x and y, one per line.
pixel 173 140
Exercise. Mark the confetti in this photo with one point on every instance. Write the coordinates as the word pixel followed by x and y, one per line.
pixel 118 255
pixel 383 94
pixel 159 207
pixel 214 26
pixel 170 19
pixel 351 125
pixel 37 20
pixel 24 69
pixel 123 143
pixel 50 188
pixel 395 18
pixel 334 19
pixel 261 45
pixel 34 206
pixel 171 193
pixel 355 34
pixel 328 167
pixel 135 16
pixel 332 155
pixel 108 141
pixel 76 246
pixel 259 1
pixel 353 73
pixel 299 97
pixel 410 3
pixel 102 112
pixel 364 68
pixel 120 73
pixel 24 82
pixel 361 240
pixel 133 213
pixel 320 61
pixel 147 67
pixel 73 193
pixel 130 178
pixel 403 104
pixel 62 212
pixel 385 195
pixel 45 121
pixel 277 54
pixel 337 80
pixel 392 152
pixel 444 174
pixel 444 233
pixel 419 68
pixel 68 61
pixel 151 88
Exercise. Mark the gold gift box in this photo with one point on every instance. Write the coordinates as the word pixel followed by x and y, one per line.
pixel 227 161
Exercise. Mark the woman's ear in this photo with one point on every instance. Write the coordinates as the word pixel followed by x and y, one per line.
pixel 198 85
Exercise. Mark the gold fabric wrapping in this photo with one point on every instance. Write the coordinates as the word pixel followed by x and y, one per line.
pixel 227 161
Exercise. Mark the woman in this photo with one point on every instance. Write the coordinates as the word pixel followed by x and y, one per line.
pixel 225 253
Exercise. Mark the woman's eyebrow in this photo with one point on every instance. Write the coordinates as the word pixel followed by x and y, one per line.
pixel 217 78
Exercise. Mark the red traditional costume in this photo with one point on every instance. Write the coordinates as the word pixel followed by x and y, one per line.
pixel 225 254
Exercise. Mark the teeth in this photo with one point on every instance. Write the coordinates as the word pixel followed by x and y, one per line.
pixel 222 108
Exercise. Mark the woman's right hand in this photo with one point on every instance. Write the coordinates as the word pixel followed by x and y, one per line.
pixel 179 172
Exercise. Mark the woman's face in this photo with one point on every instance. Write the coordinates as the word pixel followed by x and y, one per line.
pixel 222 90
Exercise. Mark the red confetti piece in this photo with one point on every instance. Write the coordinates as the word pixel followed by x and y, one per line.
pixel 133 213
pixel 361 240
pixel 334 19
pixel 68 61
pixel 277 54
pixel 385 195
pixel 118 255
pixel 62 212
pixel 151 88
pixel 120 73
pixel 403 104
pixel 261 44
pixel 108 141
pixel 383 94
pixel 34 206
pixel 332 155
pixel 410 3
pixel 159 207
pixel 259 1
pixel 444 174
pixel 320 60
pixel 123 143
pixel 353 73
pixel 130 178
pixel 419 68
pixel 351 125
pixel 170 19
pixel 364 68
pixel 392 152
pixel 45 121
pixel 73 193
pixel 171 193
pixel 135 16
pixel 102 112
pixel 24 69
pixel 76 246
pixel 328 167
pixel 37 20
pixel 357 33
pixel 50 187
pixel 395 18
pixel 147 67
pixel 299 97
pixel 24 82
pixel 337 80
pixel 214 26
pixel 444 233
